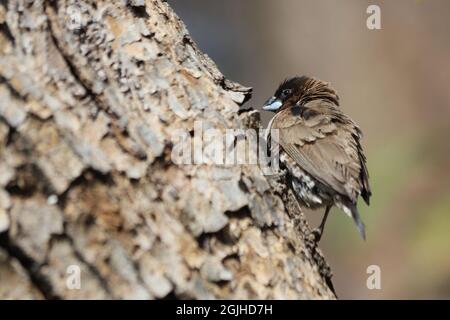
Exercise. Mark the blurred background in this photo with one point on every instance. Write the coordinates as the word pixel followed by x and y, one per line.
pixel 394 83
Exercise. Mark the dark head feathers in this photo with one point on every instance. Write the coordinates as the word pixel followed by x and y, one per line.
pixel 291 83
pixel 306 88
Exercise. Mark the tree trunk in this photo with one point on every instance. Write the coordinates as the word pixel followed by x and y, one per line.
pixel 91 93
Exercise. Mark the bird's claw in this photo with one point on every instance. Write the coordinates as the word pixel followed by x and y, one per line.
pixel 316 235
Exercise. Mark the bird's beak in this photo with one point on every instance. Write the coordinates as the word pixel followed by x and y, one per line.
pixel 272 104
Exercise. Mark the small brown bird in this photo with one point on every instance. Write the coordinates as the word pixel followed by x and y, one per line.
pixel 320 148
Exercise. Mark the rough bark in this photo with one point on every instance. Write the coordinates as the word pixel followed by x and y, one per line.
pixel 90 93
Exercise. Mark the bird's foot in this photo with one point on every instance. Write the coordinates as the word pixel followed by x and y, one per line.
pixel 276 180
pixel 276 174
pixel 316 235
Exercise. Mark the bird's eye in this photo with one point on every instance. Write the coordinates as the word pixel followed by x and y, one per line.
pixel 286 92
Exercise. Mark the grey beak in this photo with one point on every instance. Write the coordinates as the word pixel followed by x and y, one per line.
pixel 272 104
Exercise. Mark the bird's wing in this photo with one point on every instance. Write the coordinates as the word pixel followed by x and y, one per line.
pixel 326 146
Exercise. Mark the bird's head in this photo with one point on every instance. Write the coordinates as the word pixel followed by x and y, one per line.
pixel 298 91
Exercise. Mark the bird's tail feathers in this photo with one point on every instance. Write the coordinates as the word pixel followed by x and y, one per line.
pixel 352 211
pixel 357 219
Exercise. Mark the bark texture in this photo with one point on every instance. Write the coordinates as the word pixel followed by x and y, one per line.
pixel 90 94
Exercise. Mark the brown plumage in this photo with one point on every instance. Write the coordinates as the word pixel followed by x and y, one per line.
pixel 320 147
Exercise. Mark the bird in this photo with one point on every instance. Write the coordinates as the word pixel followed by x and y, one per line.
pixel 320 148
